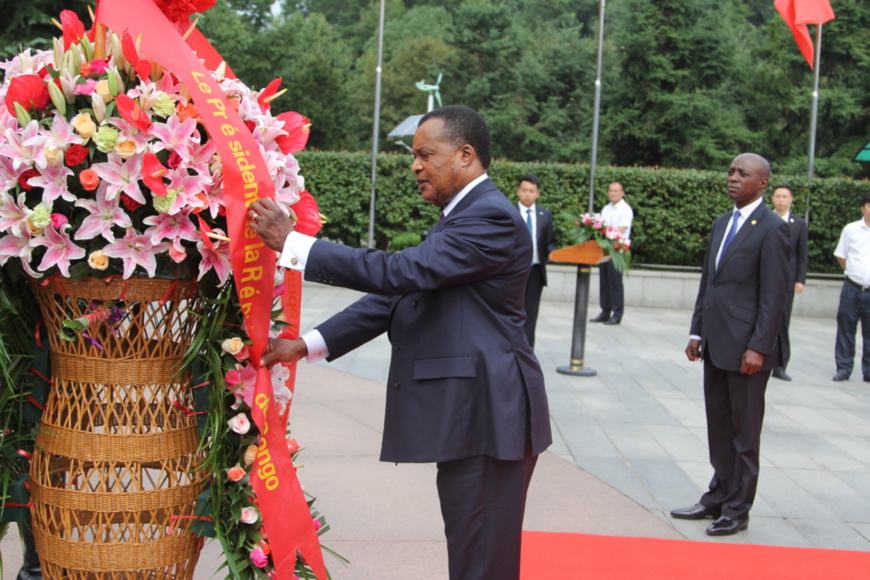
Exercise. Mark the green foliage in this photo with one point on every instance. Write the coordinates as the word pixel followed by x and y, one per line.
pixel 28 24
pixel 674 208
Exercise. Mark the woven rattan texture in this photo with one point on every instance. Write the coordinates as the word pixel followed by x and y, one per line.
pixel 113 477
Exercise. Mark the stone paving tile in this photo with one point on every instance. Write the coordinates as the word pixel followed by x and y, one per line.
pixel 665 482
pixel 834 493
pixel 788 498
pixel 833 534
pixel 633 441
pixel 679 442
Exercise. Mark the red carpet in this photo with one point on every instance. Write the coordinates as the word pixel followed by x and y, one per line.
pixel 555 556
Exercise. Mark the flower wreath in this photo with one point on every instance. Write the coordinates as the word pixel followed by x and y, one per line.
pixel 106 170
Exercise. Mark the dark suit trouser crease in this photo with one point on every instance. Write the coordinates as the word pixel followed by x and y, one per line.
pixel 735 412
pixel 783 333
pixel 534 289
pixel 610 291
pixel 854 306
pixel 483 502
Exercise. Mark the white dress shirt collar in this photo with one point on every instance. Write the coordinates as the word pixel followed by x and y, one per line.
pixel 462 193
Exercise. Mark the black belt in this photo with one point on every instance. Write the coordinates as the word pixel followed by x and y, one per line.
pixel 856 285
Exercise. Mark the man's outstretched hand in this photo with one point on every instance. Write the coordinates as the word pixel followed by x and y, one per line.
pixel 270 223
pixel 281 350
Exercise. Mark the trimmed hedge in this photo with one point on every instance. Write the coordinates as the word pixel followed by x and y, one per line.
pixel 673 208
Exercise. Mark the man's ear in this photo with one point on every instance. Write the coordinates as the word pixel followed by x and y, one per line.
pixel 467 155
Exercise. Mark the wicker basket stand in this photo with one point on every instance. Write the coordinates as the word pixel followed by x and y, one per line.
pixel 113 477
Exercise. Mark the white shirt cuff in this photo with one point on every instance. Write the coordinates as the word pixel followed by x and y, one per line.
pixel 694 336
pixel 317 349
pixel 296 249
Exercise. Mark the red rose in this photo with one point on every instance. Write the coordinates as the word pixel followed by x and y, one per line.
pixel 22 179
pixel 29 91
pixel 75 154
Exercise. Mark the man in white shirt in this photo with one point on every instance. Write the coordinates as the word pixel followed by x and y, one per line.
pixel 853 254
pixel 611 294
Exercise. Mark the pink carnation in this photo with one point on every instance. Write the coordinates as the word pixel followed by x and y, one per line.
pixel 259 558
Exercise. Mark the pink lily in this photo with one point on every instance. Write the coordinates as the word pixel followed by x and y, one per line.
pixel 61 250
pixel 8 174
pixel 122 176
pixel 13 214
pixel 105 214
pixel 22 154
pixel 186 189
pixel 12 246
pixel 171 227
pixel 217 258
pixel 175 136
pixel 53 181
pixel 135 250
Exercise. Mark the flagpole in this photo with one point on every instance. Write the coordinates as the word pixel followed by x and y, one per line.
pixel 597 106
pixel 814 113
pixel 376 126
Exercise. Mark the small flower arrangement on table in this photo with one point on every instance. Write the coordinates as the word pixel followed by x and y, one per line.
pixel 591 226
pixel 106 170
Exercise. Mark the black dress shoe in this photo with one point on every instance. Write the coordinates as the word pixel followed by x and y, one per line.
pixel 726 526
pixel 696 512
pixel 612 321
pixel 600 318
pixel 840 376
pixel 781 375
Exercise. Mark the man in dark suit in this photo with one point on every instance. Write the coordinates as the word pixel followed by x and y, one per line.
pixel 465 389
pixel 735 328
pixel 539 221
pixel 782 199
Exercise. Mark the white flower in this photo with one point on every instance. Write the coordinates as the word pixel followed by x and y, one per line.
pixel 249 515
pixel 240 424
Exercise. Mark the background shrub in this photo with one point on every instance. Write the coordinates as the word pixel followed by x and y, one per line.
pixel 674 208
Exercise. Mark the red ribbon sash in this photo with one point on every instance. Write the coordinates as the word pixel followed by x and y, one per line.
pixel 282 504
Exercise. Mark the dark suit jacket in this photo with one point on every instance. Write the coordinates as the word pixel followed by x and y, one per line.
pixel 463 380
pixel 741 304
pixel 799 258
pixel 546 233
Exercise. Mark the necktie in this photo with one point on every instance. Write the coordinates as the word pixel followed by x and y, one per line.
pixel 731 233
pixel 529 220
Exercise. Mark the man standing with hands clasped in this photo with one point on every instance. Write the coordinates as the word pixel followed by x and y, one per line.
pixel 735 327
pixel 539 221
pixel 465 389
pixel 611 293
pixel 797 266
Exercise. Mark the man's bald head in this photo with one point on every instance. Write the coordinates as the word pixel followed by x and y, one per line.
pixel 747 178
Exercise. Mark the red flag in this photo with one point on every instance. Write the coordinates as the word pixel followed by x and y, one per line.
pixel 797 14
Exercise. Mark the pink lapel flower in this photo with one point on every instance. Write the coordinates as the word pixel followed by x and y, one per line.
pixel 61 250
pixel 135 250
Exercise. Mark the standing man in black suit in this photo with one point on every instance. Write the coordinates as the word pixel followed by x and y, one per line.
pixel 782 199
pixel 735 328
pixel 539 221
pixel 465 389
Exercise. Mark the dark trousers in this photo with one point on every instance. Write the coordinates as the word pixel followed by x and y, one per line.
pixel 483 501
pixel 735 412
pixel 610 292
pixel 783 330
pixel 854 306
pixel 534 289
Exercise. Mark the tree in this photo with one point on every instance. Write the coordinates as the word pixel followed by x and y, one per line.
pixel 28 24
